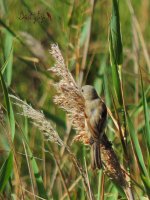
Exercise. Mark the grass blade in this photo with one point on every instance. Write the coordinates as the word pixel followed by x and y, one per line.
pixel 8 107
pixel 8 47
pixel 116 50
pixel 116 34
pixel 146 115
pixel 5 171
pixel 139 155
pixel 11 31
pixel 6 61
pixel 137 147
pixel 7 167
pixel 38 178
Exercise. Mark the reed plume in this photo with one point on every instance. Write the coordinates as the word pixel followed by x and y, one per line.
pixel 69 97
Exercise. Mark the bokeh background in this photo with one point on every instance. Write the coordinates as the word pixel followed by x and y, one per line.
pixel 81 29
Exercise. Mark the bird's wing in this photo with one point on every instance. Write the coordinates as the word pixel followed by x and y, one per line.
pixel 96 118
pixel 101 122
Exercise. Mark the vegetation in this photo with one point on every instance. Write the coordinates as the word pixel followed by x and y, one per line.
pixel 44 148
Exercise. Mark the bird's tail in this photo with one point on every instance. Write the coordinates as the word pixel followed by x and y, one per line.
pixel 96 156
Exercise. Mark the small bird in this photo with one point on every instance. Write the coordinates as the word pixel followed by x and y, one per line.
pixel 96 117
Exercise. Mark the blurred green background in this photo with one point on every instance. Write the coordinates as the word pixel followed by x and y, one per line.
pixel 81 29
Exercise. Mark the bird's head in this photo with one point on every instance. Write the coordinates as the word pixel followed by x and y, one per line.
pixel 89 92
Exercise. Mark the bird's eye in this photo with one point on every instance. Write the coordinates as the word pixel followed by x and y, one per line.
pixel 82 90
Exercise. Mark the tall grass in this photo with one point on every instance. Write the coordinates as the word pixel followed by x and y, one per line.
pixel 103 43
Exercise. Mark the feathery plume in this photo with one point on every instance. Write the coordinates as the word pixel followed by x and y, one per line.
pixel 71 100
pixel 50 133
pixel 68 96
pixel 39 120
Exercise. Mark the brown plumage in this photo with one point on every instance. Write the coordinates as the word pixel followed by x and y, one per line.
pixel 96 117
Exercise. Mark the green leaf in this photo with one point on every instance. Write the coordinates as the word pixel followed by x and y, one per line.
pixel 146 115
pixel 8 107
pixel 137 149
pixel 11 31
pixel 5 94
pixel 12 122
pixel 7 28
pixel 98 82
pixel 5 171
pixel 116 34
pixel 7 167
pixel 8 47
pixel 99 184
pixel 115 73
pixel 6 61
pixel 136 145
pixel 113 192
pixel 84 31
pixel 116 50
pixel 38 177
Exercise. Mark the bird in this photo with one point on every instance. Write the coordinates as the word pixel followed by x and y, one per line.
pixel 96 119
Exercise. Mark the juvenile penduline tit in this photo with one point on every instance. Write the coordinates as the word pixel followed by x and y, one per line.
pixel 96 117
